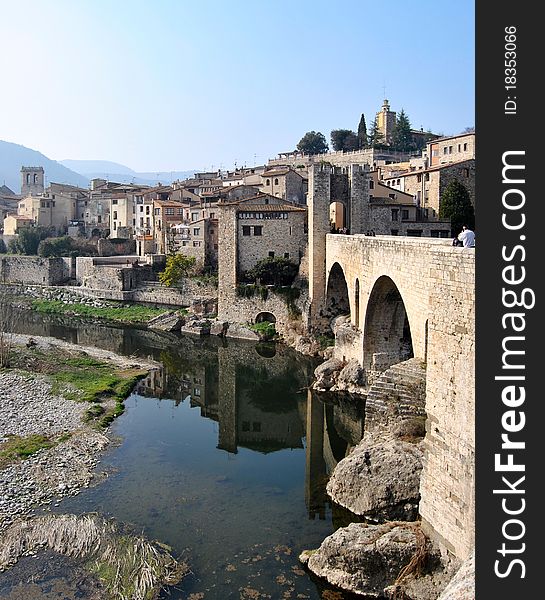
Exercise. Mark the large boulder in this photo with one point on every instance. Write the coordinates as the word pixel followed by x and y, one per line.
pixel 327 373
pixel 351 378
pixel 366 559
pixel 240 332
pixel 169 321
pixel 380 479
pixel 462 585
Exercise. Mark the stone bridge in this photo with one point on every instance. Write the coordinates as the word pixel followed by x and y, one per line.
pixel 413 297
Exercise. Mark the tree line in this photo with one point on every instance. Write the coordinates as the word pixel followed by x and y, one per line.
pixel 347 140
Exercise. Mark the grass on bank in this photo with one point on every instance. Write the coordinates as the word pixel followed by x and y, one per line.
pixel 83 379
pixel 133 313
pixel 17 447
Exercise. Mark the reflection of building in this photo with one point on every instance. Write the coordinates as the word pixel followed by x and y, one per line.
pixel 263 427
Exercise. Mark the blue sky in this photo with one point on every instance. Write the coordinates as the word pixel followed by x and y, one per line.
pixel 173 85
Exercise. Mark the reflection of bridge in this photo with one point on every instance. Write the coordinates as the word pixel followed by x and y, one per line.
pixel 413 297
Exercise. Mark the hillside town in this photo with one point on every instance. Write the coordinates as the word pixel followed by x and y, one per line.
pixel 345 256
pixel 405 191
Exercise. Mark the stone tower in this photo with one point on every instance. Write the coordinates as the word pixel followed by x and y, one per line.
pixel 327 184
pixel 386 121
pixel 32 181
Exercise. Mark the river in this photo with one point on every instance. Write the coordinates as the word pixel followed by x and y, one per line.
pixel 223 455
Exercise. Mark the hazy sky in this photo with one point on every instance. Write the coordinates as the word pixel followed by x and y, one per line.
pixel 179 84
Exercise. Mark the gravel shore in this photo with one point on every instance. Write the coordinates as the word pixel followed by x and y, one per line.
pixel 27 407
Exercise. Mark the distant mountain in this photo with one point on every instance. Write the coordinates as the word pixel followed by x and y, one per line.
pixel 112 171
pixel 96 166
pixel 15 156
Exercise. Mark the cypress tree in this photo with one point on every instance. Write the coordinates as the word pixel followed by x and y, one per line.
pixel 363 142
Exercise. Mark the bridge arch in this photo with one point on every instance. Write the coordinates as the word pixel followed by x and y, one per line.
pixel 387 336
pixel 265 317
pixel 337 297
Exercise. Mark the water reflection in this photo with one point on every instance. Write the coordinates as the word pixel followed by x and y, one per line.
pixel 172 479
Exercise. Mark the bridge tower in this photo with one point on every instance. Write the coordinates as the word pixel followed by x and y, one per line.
pixel 348 186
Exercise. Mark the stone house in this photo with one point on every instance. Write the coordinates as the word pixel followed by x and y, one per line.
pixel 427 185
pixel 51 209
pixel 198 239
pixel 13 223
pixel 284 183
pixel 456 148
pixel 252 229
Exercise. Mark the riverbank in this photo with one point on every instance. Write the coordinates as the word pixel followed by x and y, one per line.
pixel 56 401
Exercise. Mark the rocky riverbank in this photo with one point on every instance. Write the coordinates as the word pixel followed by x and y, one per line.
pixel 50 448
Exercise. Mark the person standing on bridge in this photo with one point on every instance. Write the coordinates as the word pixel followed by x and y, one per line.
pixel 467 237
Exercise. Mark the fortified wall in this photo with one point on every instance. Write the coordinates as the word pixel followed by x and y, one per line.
pixel 30 270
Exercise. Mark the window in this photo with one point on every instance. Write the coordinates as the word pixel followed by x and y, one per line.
pixel 28 179
pixel 466 172
pixel 258 230
pixel 392 196
pixel 180 212
pixel 286 254
pixel 371 184
pixel 399 182
pixel 414 232
pixel 141 208
pixel 169 211
pixel 196 231
pixel 445 150
pixel 404 214
pixel 115 214
pixel 459 146
pixel 450 149
pixel 271 254
pixel 245 230
pixel 394 231
pixel 256 426
pixel 395 213
pixel 276 181
pixel 427 177
pixel 35 178
pixel 268 182
pixel 465 147
pixel 114 202
pixel 194 216
pixel 211 232
pixel 115 225
pixel 99 219
pixel 419 177
pixel 212 215
pixel 156 211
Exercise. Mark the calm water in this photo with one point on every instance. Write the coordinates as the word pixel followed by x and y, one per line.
pixel 223 455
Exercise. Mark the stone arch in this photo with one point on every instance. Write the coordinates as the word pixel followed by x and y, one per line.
pixel 387 333
pixel 265 317
pixel 338 215
pixel 337 299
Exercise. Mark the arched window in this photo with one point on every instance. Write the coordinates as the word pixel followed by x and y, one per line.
pixel 28 178
pixel 268 182
pixel 276 181
pixel 35 178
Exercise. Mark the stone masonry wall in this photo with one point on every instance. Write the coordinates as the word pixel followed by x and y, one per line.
pixel 436 284
pixel 33 270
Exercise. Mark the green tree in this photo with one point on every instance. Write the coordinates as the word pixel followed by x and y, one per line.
pixel 61 246
pixel 363 142
pixel 344 139
pixel 375 138
pixel 313 142
pixel 27 241
pixel 455 204
pixel 273 271
pixel 177 268
pixel 402 138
